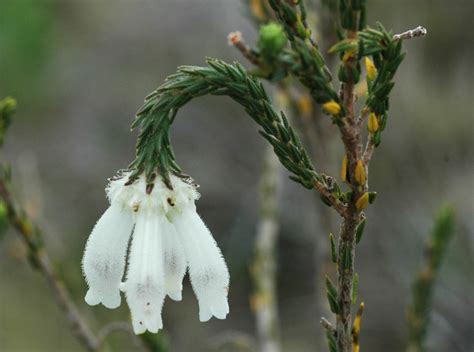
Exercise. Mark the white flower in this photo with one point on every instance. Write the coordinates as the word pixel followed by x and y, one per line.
pixel 168 237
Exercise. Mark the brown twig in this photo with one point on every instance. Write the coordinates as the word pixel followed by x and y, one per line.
pixel 352 139
pixel 235 39
pixel 419 31
pixel 327 325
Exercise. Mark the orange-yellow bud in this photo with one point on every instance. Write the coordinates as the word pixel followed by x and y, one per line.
pixel 256 7
pixel 356 329
pixel 332 107
pixel 363 201
pixel 373 123
pixel 360 173
pixel 370 68
pixel 344 169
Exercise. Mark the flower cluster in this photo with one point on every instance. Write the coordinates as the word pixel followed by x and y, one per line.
pixel 168 239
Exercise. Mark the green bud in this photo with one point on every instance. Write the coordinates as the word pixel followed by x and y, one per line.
pixel 271 41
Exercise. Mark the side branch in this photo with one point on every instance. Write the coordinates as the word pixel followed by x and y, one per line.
pixel 32 237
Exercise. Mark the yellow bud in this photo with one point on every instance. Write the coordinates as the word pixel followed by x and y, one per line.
pixel 373 124
pixel 256 7
pixel 360 173
pixel 344 169
pixel 363 201
pixel 332 107
pixel 370 68
pixel 356 329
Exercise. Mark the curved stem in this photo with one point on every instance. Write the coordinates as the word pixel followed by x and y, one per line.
pixel 154 152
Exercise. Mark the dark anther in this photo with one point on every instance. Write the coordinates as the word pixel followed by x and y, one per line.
pixel 149 188
pixel 170 202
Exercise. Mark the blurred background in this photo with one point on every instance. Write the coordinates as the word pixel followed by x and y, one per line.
pixel 79 70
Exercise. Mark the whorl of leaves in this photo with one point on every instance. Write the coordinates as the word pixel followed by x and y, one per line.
pixel 154 151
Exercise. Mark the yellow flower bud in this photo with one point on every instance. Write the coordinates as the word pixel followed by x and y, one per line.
pixel 370 68
pixel 373 123
pixel 256 7
pixel 344 169
pixel 363 201
pixel 332 107
pixel 360 173
pixel 356 329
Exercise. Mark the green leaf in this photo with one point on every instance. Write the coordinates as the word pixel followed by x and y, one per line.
pixel 344 45
pixel 333 248
pixel 360 230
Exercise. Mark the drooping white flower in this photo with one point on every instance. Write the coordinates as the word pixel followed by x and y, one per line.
pixel 168 236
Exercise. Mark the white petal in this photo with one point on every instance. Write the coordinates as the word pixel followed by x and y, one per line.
pixel 144 287
pixel 174 261
pixel 104 257
pixel 207 268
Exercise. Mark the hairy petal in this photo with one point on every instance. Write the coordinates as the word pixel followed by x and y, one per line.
pixel 207 268
pixel 144 287
pixel 103 263
pixel 174 262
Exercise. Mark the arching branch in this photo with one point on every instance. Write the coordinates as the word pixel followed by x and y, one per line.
pixel 154 151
